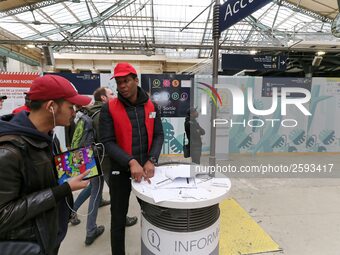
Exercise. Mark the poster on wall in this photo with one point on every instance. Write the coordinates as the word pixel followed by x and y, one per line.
pixel 13 85
pixel 85 83
pixel 323 128
pixel 171 92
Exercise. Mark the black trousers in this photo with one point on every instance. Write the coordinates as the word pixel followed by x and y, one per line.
pixel 120 189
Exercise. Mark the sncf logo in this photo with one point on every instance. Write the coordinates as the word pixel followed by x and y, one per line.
pixel 239 99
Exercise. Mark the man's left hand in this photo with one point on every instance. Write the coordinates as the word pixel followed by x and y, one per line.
pixel 149 169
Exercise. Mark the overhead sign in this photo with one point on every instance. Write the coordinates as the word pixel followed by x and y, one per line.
pixel 254 62
pixel 85 83
pixel 232 11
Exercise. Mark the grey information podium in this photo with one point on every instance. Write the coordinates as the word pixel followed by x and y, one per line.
pixel 181 225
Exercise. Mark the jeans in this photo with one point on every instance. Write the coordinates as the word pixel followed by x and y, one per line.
pixel 94 191
pixel 83 195
pixel 95 199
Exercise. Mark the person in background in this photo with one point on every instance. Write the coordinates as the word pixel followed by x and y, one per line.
pixel 2 99
pixel 194 132
pixel 131 130
pixel 85 135
pixel 31 200
pixel 25 107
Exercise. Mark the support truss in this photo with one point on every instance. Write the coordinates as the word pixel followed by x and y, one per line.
pixel 30 7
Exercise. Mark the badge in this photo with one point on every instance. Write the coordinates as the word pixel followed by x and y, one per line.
pixel 152 115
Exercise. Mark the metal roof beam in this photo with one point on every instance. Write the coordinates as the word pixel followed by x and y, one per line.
pixel 99 19
pixel 30 7
pixel 115 8
pixel 27 25
pixel 153 22
pixel 304 11
pixel 265 30
pixel 205 31
pixel 18 57
pixel 71 12
pixel 163 46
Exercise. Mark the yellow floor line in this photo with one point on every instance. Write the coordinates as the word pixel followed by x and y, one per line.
pixel 240 234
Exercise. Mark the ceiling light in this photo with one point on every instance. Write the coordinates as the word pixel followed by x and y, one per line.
pixel 180 50
pixel 321 53
pixel 253 52
pixel 31 46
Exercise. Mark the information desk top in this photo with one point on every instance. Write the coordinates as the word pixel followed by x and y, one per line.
pixel 201 191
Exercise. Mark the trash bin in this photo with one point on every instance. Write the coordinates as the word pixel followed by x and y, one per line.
pixel 179 231
pixel 183 225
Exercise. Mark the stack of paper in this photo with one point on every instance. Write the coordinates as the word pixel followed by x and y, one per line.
pixel 173 172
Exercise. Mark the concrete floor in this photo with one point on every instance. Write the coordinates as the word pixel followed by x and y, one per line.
pixel 301 215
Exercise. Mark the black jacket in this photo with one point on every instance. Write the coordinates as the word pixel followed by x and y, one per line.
pixel 29 193
pixel 119 158
pixel 193 131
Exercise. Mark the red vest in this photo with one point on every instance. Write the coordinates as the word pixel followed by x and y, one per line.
pixel 123 127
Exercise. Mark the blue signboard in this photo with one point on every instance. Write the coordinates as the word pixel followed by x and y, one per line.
pixel 254 62
pixel 85 83
pixel 232 11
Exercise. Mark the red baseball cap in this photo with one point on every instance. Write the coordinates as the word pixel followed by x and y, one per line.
pixel 49 87
pixel 123 69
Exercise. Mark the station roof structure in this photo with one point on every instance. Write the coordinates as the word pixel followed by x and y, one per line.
pixel 181 28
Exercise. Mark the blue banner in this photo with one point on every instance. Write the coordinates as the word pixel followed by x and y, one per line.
pixel 232 11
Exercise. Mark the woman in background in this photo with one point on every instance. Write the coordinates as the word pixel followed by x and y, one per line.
pixel 194 132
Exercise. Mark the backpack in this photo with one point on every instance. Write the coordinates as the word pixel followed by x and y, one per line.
pixel 85 133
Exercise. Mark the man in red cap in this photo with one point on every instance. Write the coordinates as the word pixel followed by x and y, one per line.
pixel 31 201
pixel 131 130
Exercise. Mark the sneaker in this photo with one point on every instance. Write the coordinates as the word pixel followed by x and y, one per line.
pixel 74 219
pixel 90 239
pixel 130 221
pixel 104 203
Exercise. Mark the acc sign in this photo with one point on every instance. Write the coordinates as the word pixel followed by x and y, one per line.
pixel 232 11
